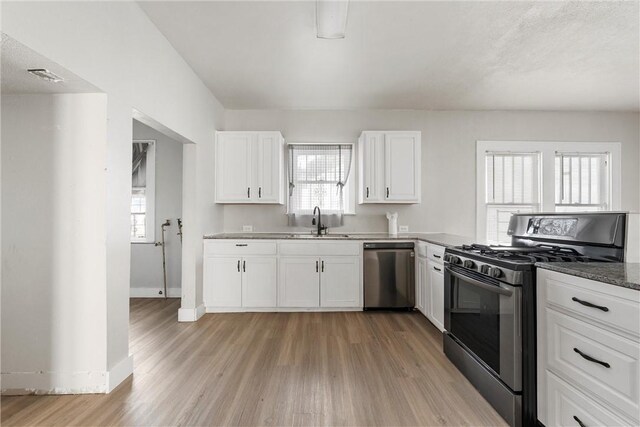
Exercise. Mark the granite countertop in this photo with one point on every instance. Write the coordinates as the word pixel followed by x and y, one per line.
pixel 626 275
pixel 442 239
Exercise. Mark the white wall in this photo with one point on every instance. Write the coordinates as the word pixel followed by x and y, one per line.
pixel 54 323
pixel 146 259
pixel 114 46
pixel 448 157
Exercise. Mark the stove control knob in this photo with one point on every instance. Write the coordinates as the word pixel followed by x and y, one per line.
pixel 446 257
pixel 496 272
pixel 485 269
pixel 454 260
pixel 469 264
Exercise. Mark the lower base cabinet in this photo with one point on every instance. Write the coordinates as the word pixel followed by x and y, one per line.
pixel 319 282
pixel 299 282
pixel 435 281
pixel 339 281
pixel 234 282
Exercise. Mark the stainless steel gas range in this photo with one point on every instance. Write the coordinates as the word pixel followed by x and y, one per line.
pixel 490 301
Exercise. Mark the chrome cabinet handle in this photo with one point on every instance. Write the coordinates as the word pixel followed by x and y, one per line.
pixel 590 304
pixel 591 359
pixel 238 266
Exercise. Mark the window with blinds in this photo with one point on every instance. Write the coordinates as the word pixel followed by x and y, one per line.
pixel 142 191
pixel 318 176
pixel 512 186
pixel 581 182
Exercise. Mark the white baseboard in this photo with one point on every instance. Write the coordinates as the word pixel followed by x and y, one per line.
pixel 18 383
pixel 119 373
pixel 279 309
pixel 191 314
pixel 154 292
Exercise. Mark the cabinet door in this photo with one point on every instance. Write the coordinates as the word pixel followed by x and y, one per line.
pixel 299 282
pixel 340 282
pixel 233 167
pixel 421 285
pixel 402 157
pixel 259 282
pixel 222 282
pixel 436 294
pixel 267 186
pixel 372 167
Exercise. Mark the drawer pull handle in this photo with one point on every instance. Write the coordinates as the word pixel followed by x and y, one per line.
pixel 238 266
pixel 436 269
pixel 436 256
pixel 591 359
pixel 580 423
pixel 241 244
pixel 589 304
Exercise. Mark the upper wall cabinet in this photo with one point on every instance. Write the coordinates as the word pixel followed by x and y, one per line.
pixel 389 167
pixel 249 167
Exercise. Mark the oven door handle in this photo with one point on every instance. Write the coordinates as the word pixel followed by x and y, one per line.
pixel 478 283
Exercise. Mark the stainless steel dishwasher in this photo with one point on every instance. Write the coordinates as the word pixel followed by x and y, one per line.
pixel 389 275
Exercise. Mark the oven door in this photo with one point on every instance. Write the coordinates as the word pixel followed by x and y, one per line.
pixel 484 316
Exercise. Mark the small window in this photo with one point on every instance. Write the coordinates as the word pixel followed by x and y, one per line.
pixel 319 175
pixel 142 191
pixel 512 187
pixel 582 182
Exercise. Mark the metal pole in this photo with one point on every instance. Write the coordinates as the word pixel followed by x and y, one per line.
pixel 164 263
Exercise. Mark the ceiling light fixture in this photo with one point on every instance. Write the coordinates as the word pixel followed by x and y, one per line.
pixel 331 18
pixel 45 74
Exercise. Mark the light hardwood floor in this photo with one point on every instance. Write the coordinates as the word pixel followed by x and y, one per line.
pixel 251 369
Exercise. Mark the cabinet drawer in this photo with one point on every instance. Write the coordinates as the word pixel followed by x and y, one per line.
pixel 421 249
pixel 319 248
pixel 566 406
pixel 239 247
pixel 574 350
pixel 577 296
pixel 435 253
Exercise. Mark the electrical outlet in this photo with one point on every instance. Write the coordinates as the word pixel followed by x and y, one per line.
pixel 404 228
pixel 247 228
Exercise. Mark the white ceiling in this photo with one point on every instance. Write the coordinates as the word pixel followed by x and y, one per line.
pixel 14 78
pixel 414 55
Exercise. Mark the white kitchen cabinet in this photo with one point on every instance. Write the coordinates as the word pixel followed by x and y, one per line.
pixel 299 282
pixel 259 281
pixel 421 285
pixel 223 282
pixel 435 298
pixel 390 167
pixel 249 167
pixel 372 167
pixel 588 351
pixel 339 281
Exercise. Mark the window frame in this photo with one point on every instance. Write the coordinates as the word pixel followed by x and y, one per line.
pixel 546 175
pixel 349 190
pixel 150 194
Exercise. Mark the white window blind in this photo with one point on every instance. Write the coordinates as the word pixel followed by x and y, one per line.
pixel 581 182
pixel 317 177
pixel 512 186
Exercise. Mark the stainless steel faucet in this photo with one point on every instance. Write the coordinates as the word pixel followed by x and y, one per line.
pixel 321 227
